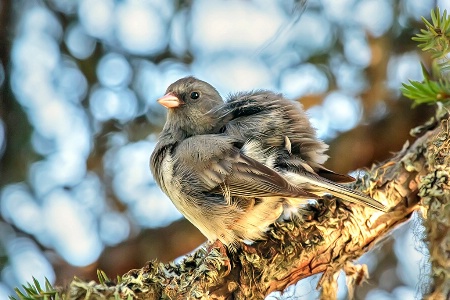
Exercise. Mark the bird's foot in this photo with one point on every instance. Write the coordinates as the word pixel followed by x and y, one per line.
pixel 222 250
pixel 219 246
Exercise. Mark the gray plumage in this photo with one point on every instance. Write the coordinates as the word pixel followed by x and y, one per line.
pixel 233 168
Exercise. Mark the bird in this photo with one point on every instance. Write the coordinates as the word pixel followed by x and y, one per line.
pixel 235 167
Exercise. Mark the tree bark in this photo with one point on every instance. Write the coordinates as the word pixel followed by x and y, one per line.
pixel 327 238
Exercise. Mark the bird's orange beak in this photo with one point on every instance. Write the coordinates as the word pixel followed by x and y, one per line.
pixel 169 100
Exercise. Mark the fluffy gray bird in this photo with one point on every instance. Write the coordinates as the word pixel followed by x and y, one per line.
pixel 233 168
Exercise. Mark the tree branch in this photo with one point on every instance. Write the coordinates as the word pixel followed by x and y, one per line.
pixel 327 238
pixel 434 190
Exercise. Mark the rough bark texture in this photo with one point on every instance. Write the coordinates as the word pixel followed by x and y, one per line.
pixel 435 193
pixel 326 239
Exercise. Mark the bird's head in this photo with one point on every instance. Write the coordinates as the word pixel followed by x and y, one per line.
pixel 189 102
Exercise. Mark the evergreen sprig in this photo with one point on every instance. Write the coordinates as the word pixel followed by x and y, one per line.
pixel 427 91
pixel 435 39
pixel 36 292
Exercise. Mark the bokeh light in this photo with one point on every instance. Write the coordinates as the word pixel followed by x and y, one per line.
pixel 303 80
pixel 97 17
pixel 80 44
pixel 344 112
pixel 27 218
pixel 139 28
pixel 26 262
pixel 252 26
pixel 376 16
pixel 67 223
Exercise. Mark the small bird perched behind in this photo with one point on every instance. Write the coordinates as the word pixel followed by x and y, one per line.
pixel 233 168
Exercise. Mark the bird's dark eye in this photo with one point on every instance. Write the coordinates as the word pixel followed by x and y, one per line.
pixel 195 95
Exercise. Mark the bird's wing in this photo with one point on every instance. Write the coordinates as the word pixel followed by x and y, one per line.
pixel 221 166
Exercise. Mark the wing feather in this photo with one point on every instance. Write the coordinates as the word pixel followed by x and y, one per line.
pixel 220 165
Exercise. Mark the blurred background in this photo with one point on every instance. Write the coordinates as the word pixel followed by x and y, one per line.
pixel 79 119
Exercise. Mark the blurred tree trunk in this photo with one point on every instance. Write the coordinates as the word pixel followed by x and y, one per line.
pixel 17 154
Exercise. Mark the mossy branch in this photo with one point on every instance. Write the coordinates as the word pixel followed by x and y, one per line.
pixel 326 239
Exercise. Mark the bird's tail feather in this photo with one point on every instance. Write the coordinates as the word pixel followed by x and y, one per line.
pixel 353 196
pixel 319 186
